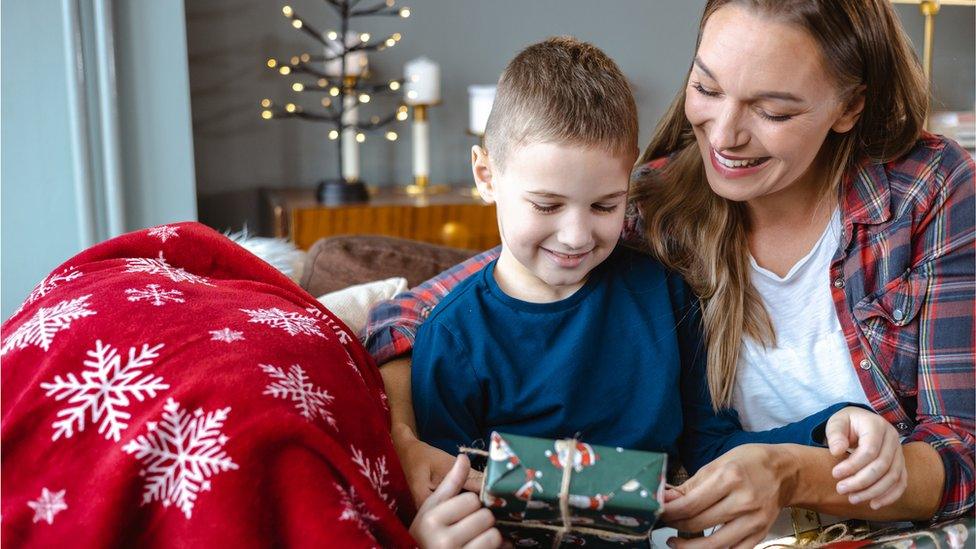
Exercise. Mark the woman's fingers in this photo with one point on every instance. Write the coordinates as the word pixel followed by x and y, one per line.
pixel 456 509
pixel 700 493
pixel 838 433
pixel 489 539
pixel 893 494
pixel 871 470
pixel 732 534
pixel 870 442
pixel 472 525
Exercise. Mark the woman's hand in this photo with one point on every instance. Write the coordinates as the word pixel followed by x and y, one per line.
pixel 449 518
pixel 425 466
pixel 875 470
pixel 743 490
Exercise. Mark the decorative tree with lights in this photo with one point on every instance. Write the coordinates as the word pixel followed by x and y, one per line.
pixel 341 77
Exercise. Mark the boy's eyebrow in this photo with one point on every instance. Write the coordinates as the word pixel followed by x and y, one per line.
pixel 784 96
pixel 545 194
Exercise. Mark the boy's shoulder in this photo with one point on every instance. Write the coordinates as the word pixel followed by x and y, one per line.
pixel 457 304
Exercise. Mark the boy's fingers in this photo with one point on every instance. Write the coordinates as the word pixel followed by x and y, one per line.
pixel 877 489
pixel 472 526
pixel 451 485
pixel 869 470
pixel 457 509
pixel 894 494
pixel 489 539
pixel 473 482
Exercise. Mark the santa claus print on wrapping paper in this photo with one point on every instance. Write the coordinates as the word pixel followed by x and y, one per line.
pixel 583 456
pixel 531 485
pixel 499 450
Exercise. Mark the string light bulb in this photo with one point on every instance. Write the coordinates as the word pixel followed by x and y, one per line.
pixel 290 107
pixel 297 23
pixel 364 98
pixel 375 119
pixel 266 102
pixel 412 94
pixel 294 60
pixel 272 63
pixel 306 58
pixel 394 85
pixel 364 37
pixel 332 35
pixel 284 69
pixel 390 42
pixel 389 3
pixel 397 36
pixel 360 137
pixel 333 135
pixel 287 11
pixel 322 82
pixel 334 92
pixel 267 115
pixel 326 102
pixel 298 86
pixel 391 136
pixel 405 12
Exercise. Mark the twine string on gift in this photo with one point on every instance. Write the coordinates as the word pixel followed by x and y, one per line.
pixel 567 526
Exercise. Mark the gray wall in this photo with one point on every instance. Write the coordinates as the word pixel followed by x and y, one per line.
pixel 229 41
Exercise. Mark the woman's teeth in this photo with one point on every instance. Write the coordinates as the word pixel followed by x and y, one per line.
pixel 738 163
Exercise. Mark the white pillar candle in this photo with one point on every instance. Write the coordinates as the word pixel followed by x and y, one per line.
pixel 423 82
pixel 479 107
pixel 356 62
pixel 350 148
pixel 421 146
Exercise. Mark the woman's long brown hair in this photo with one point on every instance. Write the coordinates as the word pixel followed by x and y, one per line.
pixel 703 236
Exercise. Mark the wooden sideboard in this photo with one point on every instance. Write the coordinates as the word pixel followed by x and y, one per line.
pixel 456 218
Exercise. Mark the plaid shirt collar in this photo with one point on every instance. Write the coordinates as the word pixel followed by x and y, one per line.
pixel 868 202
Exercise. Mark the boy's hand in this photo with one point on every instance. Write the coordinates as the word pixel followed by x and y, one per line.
pixel 875 470
pixel 449 518
pixel 425 466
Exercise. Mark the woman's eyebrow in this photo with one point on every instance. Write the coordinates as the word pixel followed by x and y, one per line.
pixel 782 96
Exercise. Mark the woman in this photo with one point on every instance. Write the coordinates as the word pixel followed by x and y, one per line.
pixel 831 241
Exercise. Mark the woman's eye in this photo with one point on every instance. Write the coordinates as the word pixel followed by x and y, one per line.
pixel 774 117
pixel 605 208
pixel 545 208
pixel 701 89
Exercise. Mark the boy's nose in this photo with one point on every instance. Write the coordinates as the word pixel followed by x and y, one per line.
pixel 575 235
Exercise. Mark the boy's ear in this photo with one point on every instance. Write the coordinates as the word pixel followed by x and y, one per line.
pixel 852 111
pixel 481 170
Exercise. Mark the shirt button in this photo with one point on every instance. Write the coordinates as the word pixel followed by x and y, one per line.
pixel 898 315
pixel 902 426
pixel 838 282
pixel 865 364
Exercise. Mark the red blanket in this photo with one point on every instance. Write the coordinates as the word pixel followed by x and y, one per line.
pixel 168 388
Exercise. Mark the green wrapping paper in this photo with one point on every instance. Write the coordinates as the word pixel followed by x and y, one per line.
pixel 549 493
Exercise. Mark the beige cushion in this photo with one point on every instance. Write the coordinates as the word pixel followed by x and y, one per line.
pixel 352 304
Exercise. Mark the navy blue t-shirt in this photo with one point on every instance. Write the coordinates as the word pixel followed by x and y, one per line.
pixel 620 362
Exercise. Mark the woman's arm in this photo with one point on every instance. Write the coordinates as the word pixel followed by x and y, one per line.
pixel 745 489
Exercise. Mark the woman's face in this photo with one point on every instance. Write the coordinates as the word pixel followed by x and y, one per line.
pixel 761 104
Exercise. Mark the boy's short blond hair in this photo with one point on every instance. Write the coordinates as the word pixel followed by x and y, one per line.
pixel 564 91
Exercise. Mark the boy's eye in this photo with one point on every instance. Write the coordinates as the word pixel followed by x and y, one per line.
pixel 701 89
pixel 545 208
pixel 604 208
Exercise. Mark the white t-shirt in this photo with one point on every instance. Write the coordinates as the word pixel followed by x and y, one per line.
pixel 810 368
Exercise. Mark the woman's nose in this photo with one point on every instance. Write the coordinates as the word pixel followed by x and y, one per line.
pixel 727 132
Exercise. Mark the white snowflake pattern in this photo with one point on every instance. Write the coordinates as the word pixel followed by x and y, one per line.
pixel 104 390
pixel 292 323
pixel 49 283
pixel 376 472
pixel 353 509
pixel 226 335
pixel 344 337
pixel 180 454
pixel 159 266
pixel 41 328
pixel 155 294
pixel 48 505
pixel 310 400
pixel 163 232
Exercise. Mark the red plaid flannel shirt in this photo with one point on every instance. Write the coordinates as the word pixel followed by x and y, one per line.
pixel 904 286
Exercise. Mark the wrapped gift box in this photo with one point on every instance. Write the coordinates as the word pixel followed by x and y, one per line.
pixel 564 492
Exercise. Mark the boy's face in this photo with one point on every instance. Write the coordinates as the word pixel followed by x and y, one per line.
pixel 560 212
